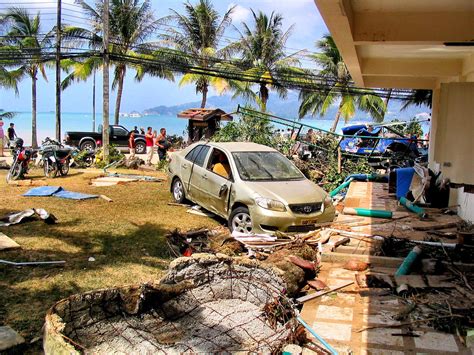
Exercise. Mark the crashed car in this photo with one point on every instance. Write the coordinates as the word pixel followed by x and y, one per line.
pixel 254 187
pixel 387 147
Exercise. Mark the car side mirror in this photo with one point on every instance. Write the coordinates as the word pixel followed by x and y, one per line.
pixel 223 190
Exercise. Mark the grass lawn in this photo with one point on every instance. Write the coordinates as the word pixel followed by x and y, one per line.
pixel 126 238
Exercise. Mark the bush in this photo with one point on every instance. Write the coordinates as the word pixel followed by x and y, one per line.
pixel 322 168
pixel 114 156
pixel 249 129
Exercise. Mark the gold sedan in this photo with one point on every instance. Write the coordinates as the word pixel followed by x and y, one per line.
pixel 254 187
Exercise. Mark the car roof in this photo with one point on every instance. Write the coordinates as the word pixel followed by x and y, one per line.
pixel 231 147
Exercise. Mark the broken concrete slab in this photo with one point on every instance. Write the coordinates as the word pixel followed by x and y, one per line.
pixel 7 243
pixel 9 338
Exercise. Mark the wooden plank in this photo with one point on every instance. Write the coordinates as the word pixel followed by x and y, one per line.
pixel 322 293
pixel 7 243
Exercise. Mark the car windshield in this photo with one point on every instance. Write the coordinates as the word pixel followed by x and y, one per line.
pixel 257 166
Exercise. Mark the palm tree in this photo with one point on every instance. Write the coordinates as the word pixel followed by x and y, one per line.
pixel 419 98
pixel 197 37
pixel 132 22
pixel 264 57
pixel 335 76
pixel 25 36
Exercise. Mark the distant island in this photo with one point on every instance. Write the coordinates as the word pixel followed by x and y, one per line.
pixel 287 108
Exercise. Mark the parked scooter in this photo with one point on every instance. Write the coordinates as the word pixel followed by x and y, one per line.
pixel 56 158
pixel 21 160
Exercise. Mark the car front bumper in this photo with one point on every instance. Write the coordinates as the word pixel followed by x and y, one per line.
pixel 267 221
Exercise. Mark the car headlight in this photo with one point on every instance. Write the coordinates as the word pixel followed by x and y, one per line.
pixel 328 202
pixel 270 204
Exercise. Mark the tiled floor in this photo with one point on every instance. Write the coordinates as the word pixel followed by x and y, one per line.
pixel 338 317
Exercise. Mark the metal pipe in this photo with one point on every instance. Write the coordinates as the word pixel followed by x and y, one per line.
pixel 340 188
pixel 368 213
pixel 313 333
pixel 413 208
pixel 26 263
pixel 405 267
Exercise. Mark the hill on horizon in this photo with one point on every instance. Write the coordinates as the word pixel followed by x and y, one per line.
pixel 287 108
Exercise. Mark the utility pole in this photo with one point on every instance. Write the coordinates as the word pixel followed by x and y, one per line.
pixel 105 110
pixel 58 72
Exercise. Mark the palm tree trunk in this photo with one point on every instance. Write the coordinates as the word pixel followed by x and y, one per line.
pixel 119 94
pixel 204 95
pixel 93 103
pixel 386 101
pixel 264 96
pixel 336 119
pixel 34 139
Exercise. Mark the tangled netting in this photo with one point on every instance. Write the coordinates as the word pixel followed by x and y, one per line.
pixel 204 304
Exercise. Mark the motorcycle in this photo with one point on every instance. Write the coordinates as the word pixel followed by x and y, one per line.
pixel 55 158
pixel 21 160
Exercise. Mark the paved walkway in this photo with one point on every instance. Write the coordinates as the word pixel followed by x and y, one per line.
pixel 337 317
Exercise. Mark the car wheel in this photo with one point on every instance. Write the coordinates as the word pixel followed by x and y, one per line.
pixel 178 191
pixel 140 148
pixel 240 220
pixel 87 145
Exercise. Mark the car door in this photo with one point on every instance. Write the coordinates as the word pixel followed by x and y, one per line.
pixel 217 187
pixel 197 175
pixel 119 136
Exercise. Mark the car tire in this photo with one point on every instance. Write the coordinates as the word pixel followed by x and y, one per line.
pixel 87 145
pixel 140 148
pixel 177 189
pixel 240 220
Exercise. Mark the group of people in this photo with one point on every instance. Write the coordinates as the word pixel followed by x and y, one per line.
pixel 152 139
pixel 11 136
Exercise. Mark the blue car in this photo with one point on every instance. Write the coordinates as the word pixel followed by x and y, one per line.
pixel 387 147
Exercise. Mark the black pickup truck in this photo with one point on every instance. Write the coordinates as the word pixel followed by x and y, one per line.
pixel 118 135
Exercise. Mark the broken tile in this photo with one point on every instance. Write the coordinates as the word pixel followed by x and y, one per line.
pixel 335 313
pixel 436 341
pixel 341 274
pixel 339 297
pixel 382 336
pixel 333 331
pixel 380 318
pixel 370 351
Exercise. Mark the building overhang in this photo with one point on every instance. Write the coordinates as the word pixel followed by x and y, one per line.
pixel 405 43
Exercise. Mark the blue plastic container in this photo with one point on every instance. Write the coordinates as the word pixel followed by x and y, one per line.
pixel 404 177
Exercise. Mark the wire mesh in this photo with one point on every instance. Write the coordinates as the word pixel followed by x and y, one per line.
pixel 204 304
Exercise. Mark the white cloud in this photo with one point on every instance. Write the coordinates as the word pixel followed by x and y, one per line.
pixel 423 115
pixel 240 13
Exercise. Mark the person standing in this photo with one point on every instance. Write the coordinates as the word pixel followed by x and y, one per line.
pixel 163 144
pixel 132 144
pixel 2 137
pixel 11 133
pixel 149 145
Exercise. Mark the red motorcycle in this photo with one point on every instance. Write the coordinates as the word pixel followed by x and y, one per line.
pixel 21 161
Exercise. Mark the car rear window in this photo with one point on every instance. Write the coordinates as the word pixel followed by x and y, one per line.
pixel 261 166
pixel 198 154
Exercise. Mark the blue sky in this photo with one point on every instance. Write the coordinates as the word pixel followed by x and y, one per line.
pixel 302 14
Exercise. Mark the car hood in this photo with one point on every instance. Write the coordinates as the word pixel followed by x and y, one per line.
pixel 289 192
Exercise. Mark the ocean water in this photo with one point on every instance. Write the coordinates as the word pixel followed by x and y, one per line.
pixel 83 122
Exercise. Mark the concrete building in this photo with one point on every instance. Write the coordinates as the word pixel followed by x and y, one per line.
pixel 418 44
